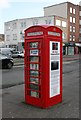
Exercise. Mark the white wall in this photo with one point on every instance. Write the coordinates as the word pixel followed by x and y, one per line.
pixel 10 31
pixel 21 25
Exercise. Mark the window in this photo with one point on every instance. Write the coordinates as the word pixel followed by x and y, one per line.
pixel 80 39
pixel 58 22
pixel 14 25
pixel 70 37
pixel 80 30
pixel 8 38
pixel 73 11
pixel 80 13
pixel 22 36
pixel 70 19
pixel 7 26
pixel 73 29
pixel 73 38
pixel 21 24
pixel 73 20
pixel 24 24
pixel 63 24
pixel 70 9
pixel 35 21
pixel 80 22
pixel 64 35
pixel 48 21
pixel 70 28
pixel 14 36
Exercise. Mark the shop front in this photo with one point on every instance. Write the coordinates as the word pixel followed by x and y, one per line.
pixel 68 48
pixel 78 46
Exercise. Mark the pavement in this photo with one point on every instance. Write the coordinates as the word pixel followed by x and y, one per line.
pixel 17 104
pixel 20 61
pixel 71 57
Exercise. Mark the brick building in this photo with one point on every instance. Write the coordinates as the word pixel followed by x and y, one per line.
pixel 72 13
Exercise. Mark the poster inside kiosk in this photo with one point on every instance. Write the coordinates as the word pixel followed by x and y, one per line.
pixel 54 68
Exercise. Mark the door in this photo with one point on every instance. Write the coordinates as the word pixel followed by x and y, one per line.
pixel 33 68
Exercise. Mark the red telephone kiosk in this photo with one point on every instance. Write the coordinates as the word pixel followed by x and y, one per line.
pixel 43 65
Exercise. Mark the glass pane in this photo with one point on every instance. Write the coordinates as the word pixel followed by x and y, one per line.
pixel 34 80
pixel 34 45
pixel 34 66
pixel 34 94
pixel 34 87
pixel 34 59
pixel 34 73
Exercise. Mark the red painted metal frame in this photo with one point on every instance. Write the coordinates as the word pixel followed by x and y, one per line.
pixel 44 101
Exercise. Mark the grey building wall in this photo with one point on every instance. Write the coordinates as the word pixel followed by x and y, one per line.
pixel 14 30
pixel 58 10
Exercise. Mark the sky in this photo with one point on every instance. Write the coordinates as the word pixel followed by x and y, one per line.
pixel 18 9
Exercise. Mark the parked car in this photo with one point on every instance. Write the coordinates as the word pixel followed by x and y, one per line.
pixel 21 55
pixel 6 51
pixel 17 54
pixel 6 61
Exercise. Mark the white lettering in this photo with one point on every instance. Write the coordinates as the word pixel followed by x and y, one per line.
pixel 53 33
pixel 34 33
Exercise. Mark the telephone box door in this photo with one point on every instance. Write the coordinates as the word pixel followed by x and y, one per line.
pixel 33 69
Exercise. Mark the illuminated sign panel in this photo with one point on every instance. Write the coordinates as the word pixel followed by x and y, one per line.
pixel 53 33
pixel 35 33
pixel 54 68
